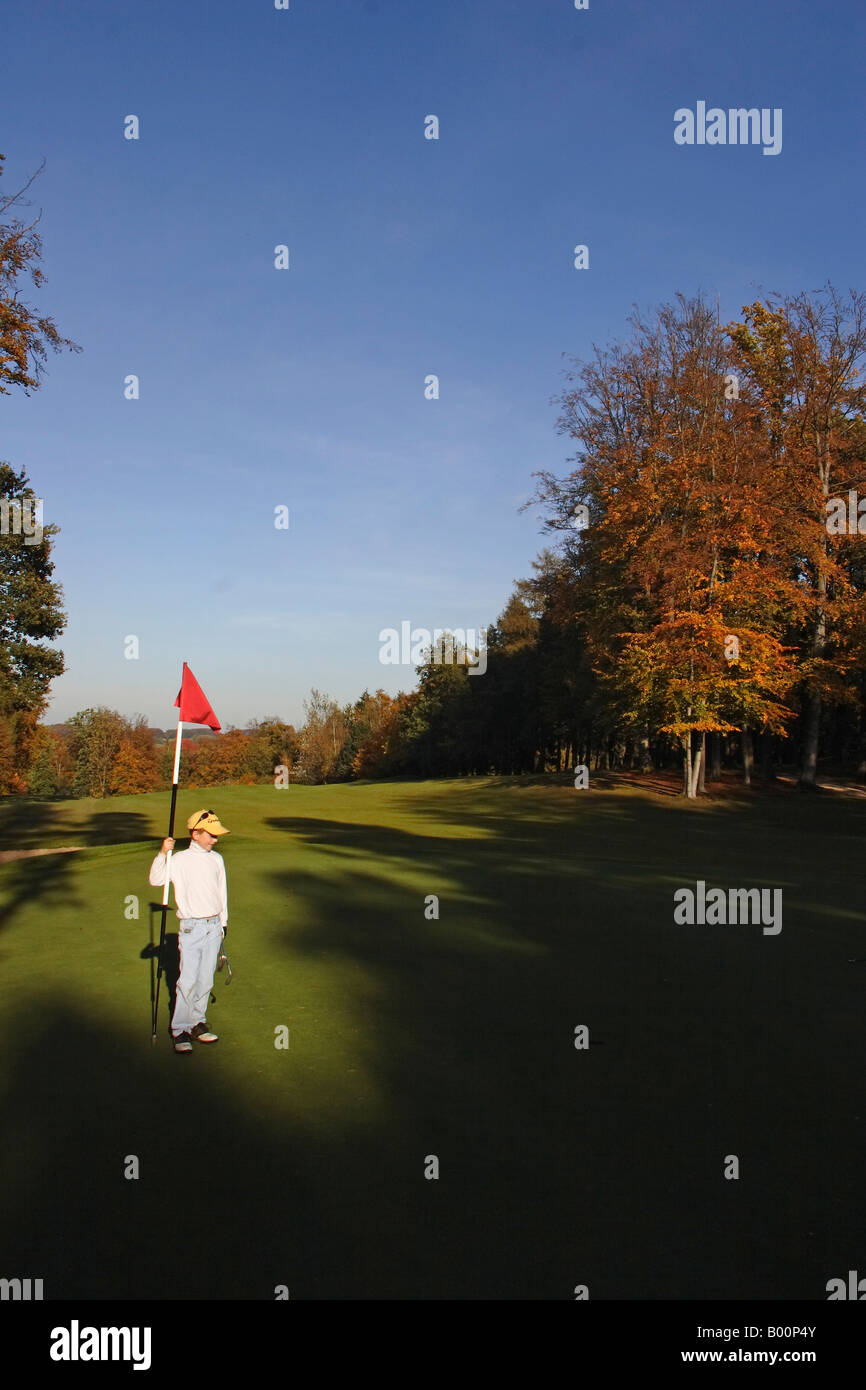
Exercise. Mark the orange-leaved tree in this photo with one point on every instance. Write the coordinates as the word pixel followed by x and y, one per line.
pixel 683 575
pixel 802 359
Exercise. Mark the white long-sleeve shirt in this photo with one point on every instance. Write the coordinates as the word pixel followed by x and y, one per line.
pixel 199 878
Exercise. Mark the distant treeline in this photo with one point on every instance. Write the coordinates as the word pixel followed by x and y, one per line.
pixel 536 708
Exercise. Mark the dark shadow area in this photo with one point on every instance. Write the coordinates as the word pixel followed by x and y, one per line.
pixel 48 879
pixel 558 1166
pixel 389 840
pixel 27 824
pixel 620 828
pixel 115 828
pixel 226 1205
pixel 170 964
pixel 606 1166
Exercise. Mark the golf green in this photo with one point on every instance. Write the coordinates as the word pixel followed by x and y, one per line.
pixel 414 1037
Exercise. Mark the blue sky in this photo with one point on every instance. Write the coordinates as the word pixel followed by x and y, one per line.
pixel 408 257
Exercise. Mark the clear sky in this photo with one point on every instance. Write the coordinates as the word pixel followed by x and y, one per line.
pixel 408 257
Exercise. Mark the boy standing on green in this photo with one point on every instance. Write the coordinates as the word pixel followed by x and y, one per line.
pixel 199 878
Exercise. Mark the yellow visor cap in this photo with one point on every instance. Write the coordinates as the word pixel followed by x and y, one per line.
pixel 207 820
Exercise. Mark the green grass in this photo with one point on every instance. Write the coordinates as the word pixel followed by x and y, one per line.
pixel 411 1037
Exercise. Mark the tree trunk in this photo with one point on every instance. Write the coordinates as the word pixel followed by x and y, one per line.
pixel 715 757
pixel 645 761
pixel 687 764
pixel 697 766
pixel 767 770
pixel 702 759
pixel 809 770
pixel 861 747
pixel 748 756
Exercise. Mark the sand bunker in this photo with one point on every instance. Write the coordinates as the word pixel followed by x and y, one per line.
pixel 8 854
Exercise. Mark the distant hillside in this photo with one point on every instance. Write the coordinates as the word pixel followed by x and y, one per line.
pixel 160 736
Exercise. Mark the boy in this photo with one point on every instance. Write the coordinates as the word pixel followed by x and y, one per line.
pixel 199 878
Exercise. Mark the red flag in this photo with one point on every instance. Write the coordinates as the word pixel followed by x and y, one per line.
pixel 193 703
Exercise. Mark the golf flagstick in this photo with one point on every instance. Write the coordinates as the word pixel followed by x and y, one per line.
pixel 165 891
pixel 193 707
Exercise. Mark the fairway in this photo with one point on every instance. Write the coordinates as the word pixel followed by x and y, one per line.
pixel 412 1037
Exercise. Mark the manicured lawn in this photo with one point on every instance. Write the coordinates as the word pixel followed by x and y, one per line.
pixel 453 1037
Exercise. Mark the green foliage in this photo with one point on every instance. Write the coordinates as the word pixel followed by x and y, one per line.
pixel 322 739
pixel 50 774
pixel 30 612
pixel 273 744
pixel 95 737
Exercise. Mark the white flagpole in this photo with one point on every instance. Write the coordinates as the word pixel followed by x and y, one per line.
pixel 175 776
pixel 165 891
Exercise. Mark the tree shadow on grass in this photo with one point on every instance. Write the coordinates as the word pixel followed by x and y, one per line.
pixel 27 824
pixel 558 1166
pixel 115 828
pixel 604 1165
pixel 50 880
pixel 639 828
pixel 229 1203
pixel 47 881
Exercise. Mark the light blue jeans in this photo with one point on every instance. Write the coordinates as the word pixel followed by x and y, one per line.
pixel 198 944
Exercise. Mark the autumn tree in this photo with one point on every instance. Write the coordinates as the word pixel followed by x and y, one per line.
pixel 229 757
pixel 373 736
pixel 321 738
pixel 188 760
pixel 25 335
pixel 273 744
pixel 803 358
pixel 136 767
pixel 30 612
pixel 95 737
pixel 675 553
